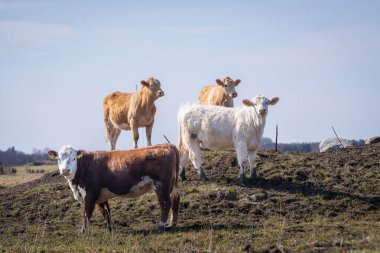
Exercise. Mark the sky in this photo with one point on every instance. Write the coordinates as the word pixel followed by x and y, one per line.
pixel 59 59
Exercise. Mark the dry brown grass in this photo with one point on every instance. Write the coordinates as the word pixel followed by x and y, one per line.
pixel 22 175
pixel 16 179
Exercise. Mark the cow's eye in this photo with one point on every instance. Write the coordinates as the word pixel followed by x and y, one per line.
pixel 225 85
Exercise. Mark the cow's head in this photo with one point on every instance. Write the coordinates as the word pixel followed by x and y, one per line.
pixel 154 86
pixel 67 160
pixel 260 104
pixel 229 85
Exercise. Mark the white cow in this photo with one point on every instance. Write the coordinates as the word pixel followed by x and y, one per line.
pixel 220 128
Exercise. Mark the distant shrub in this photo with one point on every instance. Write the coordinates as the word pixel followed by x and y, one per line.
pixel 7 171
pixel 38 163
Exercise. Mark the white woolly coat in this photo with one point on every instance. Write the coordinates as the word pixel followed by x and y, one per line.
pixel 220 128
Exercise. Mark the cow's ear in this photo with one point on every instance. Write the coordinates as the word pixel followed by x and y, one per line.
pixel 144 83
pixel 52 154
pixel 80 153
pixel 237 81
pixel 219 82
pixel 274 100
pixel 247 102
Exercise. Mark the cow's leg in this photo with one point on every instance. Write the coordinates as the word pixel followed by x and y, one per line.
pixel 196 158
pixel 164 199
pixel 113 138
pixel 242 153
pixel 109 126
pixel 104 208
pixel 88 208
pixel 184 157
pixel 175 206
pixel 135 131
pixel 251 159
pixel 148 130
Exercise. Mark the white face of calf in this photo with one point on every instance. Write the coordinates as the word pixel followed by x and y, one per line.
pixel 154 86
pixel 67 161
pixel 229 85
pixel 261 104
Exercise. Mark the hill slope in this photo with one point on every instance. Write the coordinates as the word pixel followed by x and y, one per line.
pixel 301 202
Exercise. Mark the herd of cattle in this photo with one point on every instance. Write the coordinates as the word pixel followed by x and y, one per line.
pixel 96 177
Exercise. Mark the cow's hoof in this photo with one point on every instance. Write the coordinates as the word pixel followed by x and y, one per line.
pixel 202 176
pixel 162 226
pixel 183 175
pixel 83 230
pixel 253 176
pixel 242 179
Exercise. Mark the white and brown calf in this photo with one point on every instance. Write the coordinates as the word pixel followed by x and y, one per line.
pixel 95 177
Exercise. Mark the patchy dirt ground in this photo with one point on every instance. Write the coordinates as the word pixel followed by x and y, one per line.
pixel 300 202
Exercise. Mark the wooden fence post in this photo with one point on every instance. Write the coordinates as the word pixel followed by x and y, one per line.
pixel 276 135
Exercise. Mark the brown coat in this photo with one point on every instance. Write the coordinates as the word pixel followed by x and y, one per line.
pixel 221 94
pixel 129 111
pixel 103 175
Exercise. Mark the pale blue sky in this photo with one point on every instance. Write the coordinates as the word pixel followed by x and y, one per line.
pixel 58 59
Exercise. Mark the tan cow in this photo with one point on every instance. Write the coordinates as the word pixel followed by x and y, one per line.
pixel 221 94
pixel 129 111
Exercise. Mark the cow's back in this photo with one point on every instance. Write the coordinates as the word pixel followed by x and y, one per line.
pixel 215 95
pixel 129 167
pixel 117 104
pixel 209 124
pixel 128 173
pixel 142 108
pixel 204 93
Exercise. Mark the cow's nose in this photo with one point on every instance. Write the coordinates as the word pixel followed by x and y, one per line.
pixel 160 93
pixel 65 171
pixel 262 111
pixel 234 94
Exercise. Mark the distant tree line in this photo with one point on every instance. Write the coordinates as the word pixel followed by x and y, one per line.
pixel 307 147
pixel 14 157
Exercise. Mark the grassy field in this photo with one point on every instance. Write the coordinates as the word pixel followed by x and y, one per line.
pixel 300 203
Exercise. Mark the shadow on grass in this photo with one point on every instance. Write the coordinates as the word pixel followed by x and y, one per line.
pixel 307 189
pixel 193 227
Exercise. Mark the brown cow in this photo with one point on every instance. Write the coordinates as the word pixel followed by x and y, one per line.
pixel 221 94
pixel 95 177
pixel 129 111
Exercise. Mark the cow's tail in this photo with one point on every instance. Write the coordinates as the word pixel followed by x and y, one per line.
pixel 106 118
pixel 175 178
pixel 202 94
pixel 181 133
pixel 180 137
pixel 174 194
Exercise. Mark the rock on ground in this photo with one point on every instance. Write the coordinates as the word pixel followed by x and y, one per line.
pixel 373 140
pixel 331 144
